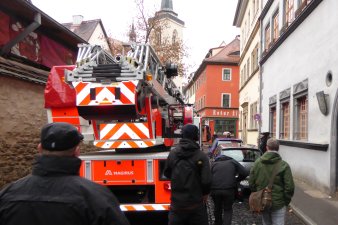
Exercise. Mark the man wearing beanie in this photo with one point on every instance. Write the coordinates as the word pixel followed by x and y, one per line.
pixel 54 193
pixel 189 171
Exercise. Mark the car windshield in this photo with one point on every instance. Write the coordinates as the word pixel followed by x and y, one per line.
pixel 242 155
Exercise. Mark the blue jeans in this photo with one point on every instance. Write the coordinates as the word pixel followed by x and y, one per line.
pixel 274 217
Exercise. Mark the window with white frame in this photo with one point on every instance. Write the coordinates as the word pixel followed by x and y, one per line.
pixel 226 100
pixel 275 25
pixel 253 112
pixel 301 118
pixel 289 12
pixel 300 99
pixel 248 67
pixel 226 74
pixel 284 120
pixel 272 115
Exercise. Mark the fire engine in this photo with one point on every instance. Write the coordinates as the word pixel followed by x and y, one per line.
pixel 128 106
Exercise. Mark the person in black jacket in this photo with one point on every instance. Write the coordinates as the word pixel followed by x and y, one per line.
pixel 224 183
pixel 189 170
pixel 54 193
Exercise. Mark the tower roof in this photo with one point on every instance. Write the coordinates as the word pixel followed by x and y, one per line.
pixel 167 5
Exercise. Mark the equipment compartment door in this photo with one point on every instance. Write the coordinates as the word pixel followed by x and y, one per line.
pixel 119 172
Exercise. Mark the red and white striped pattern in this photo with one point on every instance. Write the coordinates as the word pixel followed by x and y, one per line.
pixel 124 144
pixel 145 207
pixel 124 131
pixel 105 94
pixel 124 135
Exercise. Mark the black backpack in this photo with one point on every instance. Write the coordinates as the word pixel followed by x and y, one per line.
pixel 185 176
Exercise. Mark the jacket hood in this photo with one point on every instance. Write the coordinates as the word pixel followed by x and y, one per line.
pixel 186 148
pixel 270 157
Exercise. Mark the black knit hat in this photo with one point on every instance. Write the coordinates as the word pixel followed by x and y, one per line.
pixel 60 136
pixel 190 131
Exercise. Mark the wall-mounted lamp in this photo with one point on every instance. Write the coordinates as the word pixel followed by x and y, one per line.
pixel 321 97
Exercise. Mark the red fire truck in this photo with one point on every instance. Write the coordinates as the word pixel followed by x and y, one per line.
pixel 129 107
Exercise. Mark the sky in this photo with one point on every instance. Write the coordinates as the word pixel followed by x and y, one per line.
pixel 207 23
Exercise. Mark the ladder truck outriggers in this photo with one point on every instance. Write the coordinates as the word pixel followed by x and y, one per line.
pixel 129 107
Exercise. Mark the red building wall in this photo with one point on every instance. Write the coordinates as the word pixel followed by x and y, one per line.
pixel 211 85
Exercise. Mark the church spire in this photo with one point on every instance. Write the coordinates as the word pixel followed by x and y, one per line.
pixel 167 5
pixel 132 33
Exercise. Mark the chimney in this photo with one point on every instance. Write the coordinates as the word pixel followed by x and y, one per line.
pixel 77 20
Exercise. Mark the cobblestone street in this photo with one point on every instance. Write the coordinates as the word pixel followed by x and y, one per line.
pixel 242 215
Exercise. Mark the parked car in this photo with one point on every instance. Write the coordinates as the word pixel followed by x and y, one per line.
pixel 246 156
pixel 225 141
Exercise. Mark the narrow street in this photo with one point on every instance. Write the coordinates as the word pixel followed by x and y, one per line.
pixel 241 216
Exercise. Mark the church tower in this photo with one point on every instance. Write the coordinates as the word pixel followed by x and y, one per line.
pixel 172 30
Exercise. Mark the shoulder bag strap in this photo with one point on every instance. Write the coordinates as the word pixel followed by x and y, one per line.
pixel 274 173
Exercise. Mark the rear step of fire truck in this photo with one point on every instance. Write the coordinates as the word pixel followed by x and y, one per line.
pixel 137 180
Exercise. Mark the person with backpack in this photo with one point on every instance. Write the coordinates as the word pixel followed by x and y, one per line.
pixel 188 169
pixel 282 184
pixel 226 174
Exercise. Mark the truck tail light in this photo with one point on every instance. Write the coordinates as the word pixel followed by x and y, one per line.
pixel 167 186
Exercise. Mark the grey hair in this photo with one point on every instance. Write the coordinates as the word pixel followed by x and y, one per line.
pixel 273 144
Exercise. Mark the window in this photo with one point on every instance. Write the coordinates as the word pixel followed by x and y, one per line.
pixel 272 121
pixel 226 100
pixel 267 36
pixel 253 112
pixel 174 38
pixel 244 75
pixel 301 118
pixel 289 12
pixel 285 121
pixel 226 74
pixel 242 81
pixel 225 125
pixel 254 59
pixel 275 26
pixel 158 37
pixel 248 67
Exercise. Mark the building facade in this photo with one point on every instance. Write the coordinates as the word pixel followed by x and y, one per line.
pixel 246 18
pixel 299 83
pixel 215 85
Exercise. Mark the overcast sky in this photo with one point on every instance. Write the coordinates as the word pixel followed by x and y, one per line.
pixel 207 23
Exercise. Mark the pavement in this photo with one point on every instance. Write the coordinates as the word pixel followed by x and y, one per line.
pixel 313 206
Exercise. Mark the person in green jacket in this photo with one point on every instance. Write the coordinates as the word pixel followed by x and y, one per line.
pixel 283 185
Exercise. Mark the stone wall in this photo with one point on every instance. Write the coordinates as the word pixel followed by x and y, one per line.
pixel 22 115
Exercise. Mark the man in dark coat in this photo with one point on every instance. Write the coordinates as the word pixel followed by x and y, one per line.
pixel 54 193
pixel 189 170
pixel 224 183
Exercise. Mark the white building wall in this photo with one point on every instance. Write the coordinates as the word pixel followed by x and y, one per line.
pixel 98 38
pixel 310 52
pixel 250 92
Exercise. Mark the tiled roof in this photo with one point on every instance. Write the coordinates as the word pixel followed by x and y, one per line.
pixel 228 54
pixel 85 29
